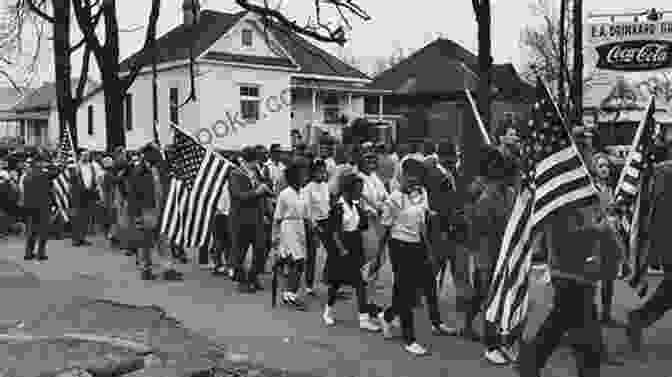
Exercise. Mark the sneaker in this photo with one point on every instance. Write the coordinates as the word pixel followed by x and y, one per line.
pixel 328 316
pixel 385 326
pixel 42 258
pixel 365 323
pixel 496 357
pixel 416 349
pixel 443 329
pixel 396 322
pixel 310 292
pixel 29 257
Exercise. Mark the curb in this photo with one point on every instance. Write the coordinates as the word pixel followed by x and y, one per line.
pixel 138 348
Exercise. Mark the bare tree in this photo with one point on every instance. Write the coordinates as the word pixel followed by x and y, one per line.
pixel 60 21
pixel 21 36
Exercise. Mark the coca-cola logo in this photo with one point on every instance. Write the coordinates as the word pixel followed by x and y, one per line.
pixel 635 55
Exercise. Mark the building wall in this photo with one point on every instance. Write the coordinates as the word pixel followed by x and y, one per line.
pixel 302 108
pixel 219 101
pixel 232 42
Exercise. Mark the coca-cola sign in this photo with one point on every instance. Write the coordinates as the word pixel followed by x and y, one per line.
pixel 642 55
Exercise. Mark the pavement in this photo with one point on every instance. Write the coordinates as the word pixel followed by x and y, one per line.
pixel 203 322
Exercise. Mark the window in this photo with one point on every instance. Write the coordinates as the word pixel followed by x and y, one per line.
pixel 174 106
pixel 246 37
pixel 249 102
pixel 90 119
pixel 331 109
pixel 128 112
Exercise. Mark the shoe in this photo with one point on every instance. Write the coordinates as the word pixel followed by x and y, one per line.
pixel 396 322
pixel 634 332
pixel 496 357
pixel 29 257
pixel 42 258
pixel 385 325
pixel 328 317
pixel 85 243
pixel 416 349
pixel 172 275
pixel 206 266
pixel 469 334
pixel 365 323
pixel 310 292
pixel 290 299
pixel 611 360
pixel 443 329
pixel 511 353
pixel 257 285
pixel 245 288
pixel 220 271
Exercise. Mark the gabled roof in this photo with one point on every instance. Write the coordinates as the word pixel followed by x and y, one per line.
pixel 174 45
pixel 42 98
pixel 212 25
pixel 444 66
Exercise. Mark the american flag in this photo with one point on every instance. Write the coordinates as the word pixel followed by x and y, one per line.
pixel 630 196
pixel 61 185
pixel 198 177
pixel 556 178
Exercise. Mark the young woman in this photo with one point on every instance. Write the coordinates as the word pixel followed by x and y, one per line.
pixel 603 169
pixel 404 219
pixel 317 195
pixel 347 221
pixel 289 228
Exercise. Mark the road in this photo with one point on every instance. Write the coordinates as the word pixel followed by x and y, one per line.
pixel 250 330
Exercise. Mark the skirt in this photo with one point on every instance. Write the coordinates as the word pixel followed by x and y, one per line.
pixel 346 269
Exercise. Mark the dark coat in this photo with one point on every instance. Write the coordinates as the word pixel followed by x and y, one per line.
pixel 37 188
pixel 247 207
pixel 78 194
pixel 660 215
pixel 142 191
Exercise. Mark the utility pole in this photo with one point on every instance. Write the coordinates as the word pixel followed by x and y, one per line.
pixel 578 62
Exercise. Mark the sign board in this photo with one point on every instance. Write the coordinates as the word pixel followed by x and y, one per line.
pixel 623 54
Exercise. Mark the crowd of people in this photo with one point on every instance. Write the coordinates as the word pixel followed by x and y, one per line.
pixel 362 206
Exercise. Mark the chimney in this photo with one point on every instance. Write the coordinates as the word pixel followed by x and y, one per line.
pixel 191 11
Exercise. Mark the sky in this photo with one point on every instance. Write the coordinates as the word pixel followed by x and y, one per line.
pixel 394 24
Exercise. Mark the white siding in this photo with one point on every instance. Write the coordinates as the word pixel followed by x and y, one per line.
pixel 232 42
pixel 220 103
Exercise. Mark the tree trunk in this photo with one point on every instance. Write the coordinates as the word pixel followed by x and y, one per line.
pixel 563 58
pixel 115 134
pixel 63 69
pixel 578 61
pixel 485 63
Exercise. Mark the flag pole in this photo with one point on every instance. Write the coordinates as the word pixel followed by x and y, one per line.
pixel 479 121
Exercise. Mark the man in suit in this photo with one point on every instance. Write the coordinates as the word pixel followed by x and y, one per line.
pixel 37 207
pixel 248 200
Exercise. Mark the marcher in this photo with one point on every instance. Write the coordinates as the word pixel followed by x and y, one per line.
pixel 347 221
pixel 319 204
pixel 576 246
pixel 413 261
pixel 37 207
pixel 290 236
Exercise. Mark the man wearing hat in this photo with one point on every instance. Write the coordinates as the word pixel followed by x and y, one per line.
pixel 37 207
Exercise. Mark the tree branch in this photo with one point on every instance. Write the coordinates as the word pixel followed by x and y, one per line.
pixel 87 27
pixel 83 78
pixel 328 35
pixel 150 37
pixel 11 81
pixel 35 9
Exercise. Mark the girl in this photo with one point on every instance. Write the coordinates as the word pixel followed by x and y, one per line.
pixel 317 195
pixel 347 221
pixel 404 219
pixel 289 229
pixel 603 169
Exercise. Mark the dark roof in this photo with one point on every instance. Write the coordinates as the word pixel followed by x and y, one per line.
pixel 250 59
pixel 174 46
pixel 314 60
pixel 444 66
pixel 43 97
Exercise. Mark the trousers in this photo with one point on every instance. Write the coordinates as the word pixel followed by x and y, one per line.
pixel 574 309
pixel 658 304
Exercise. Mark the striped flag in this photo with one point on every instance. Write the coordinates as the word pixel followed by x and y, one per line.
pixel 556 178
pixel 629 195
pixel 61 185
pixel 198 177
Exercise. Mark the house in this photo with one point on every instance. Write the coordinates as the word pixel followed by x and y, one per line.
pixel 254 84
pixel 428 91
pixel 9 127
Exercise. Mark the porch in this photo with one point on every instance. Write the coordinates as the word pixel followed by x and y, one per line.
pixel 31 127
pixel 325 107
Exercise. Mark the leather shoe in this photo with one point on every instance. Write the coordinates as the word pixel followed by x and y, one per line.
pixel 634 332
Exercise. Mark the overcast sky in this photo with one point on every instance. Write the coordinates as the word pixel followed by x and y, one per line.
pixel 395 23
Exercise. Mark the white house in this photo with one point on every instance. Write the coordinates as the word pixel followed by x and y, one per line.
pixel 254 85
